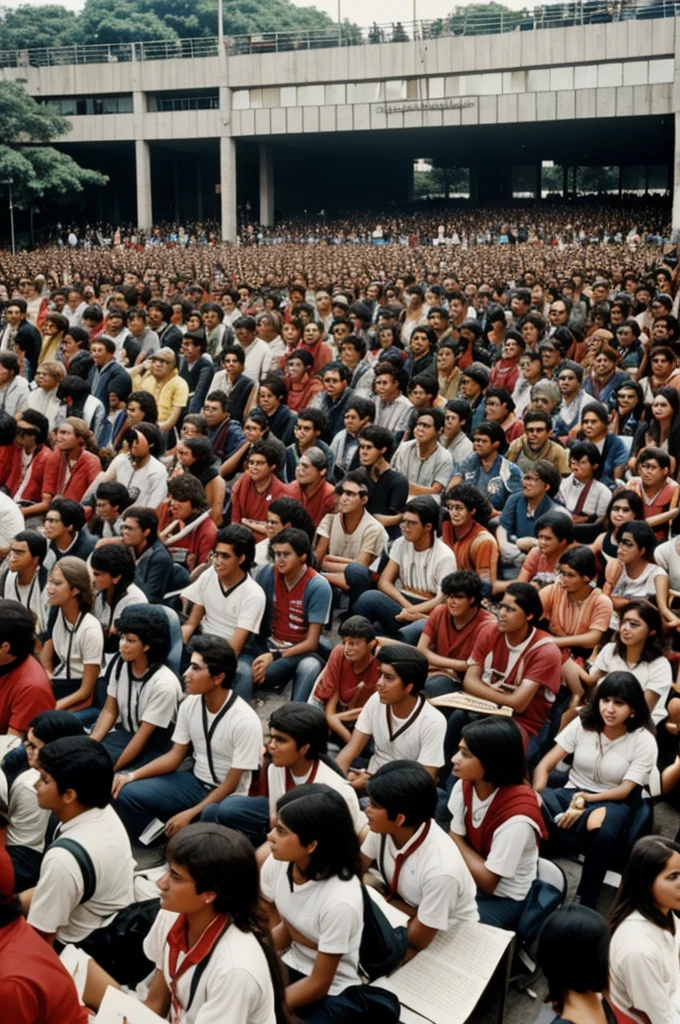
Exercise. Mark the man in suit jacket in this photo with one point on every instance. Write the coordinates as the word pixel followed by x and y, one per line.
pixel 105 370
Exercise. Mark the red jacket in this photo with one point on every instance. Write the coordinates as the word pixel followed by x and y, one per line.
pixel 84 472
pixel 34 489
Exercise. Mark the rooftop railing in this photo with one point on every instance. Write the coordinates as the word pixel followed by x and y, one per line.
pixel 464 22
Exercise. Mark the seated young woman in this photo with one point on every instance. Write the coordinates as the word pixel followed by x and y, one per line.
pixel 573 953
pixel 614 753
pixel 185 523
pixel 624 507
pixel 633 573
pixel 555 534
pixel 73 652
pixel 113 572
pixel 312 885
pixel 142 693
pixel 637 648
pixel 645 945
pixel 196 458
pixel 496 820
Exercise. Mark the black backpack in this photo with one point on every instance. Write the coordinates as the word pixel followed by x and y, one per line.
pixel 382 947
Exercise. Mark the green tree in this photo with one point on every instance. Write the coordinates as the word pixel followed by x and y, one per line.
pixel 121 21
pixel 40 175
pixel 476 19
pixel 441 182
pixel 26 27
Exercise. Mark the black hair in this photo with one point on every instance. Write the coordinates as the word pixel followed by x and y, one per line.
pixel 527 599
pixel 573 953
pixel 409 664
pixel 147 403
pixel 276 385
pixel 658 454
pixel 233 349
pixel 150 624
pixel 219 656
pixel 581 559
pixel 147 519
pixel 81 764
pixel 397 373
pixel 222 861
pixel 298 540
pixel 267 448
pixel 462 409
pixel 317 417
pixel 305 724
pixel 189 488
pixel 289 510
pixel 70 512
pixel 464 582
pixel 117 560
pixel 116 494
pixel 427 382
pixel 317 813
pixel 644 864
pixel 538 416
pixel 379 437
pixel 642 534
pixel 240 540
pixel 357 627
pixel 54 725
pixel 436 415
pixel 305 357
pixel 651 616
pixel 473 499
pixel 586 450
pixel 404 787
pixel 497 743
pixel 503 396
pixel 625 686
pixel 562 526
pixel 494 432
pixel 36 543
pixel 219 396
pixel 547 473
pixel 599 410
pixel 356 342
pixel 153 436
pixel 634 500
pixel 73 387
pixel 40 422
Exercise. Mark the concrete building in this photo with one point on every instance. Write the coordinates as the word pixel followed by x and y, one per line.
pixel 192 135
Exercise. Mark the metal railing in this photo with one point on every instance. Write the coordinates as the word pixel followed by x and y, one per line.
pixel 463 22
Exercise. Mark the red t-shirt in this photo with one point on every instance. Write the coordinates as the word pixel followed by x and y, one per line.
pixel 25 691
pixel 199 542
pixel 449 642
pixel 246 503
pixel 288 618
pixel 84 472
pixel 321 502
pixel 35 987
pixel 539 661
pixel 339 677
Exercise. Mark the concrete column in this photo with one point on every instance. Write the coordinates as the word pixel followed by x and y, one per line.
pixel 539 180
pixel 143 167
pixel 228 187
pixel 199 192
pixel 266 186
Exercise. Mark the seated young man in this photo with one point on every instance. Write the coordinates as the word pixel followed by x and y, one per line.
pixel 451 630
pixel 397 717
pixel 577 613
pixel 487 469
pixel 427 465
pixel 350 536
pixel 408 587
pixel 227 602
pixel 25 579
pixel 297 746
pixel 582 494
pixel 111 500
pixel 464 530
pixel 513 663
pixel 555 534
pixel 253 492
pixel 76 775
pixel 26 688
pixel 659 491
pixel 298 606
pixel 154 564
pixel 540 484
pixel 388 489
pixel 310 487
pixel 66 533
pixel 435 888
pixel 349 678
pixel 217 726
pixel 142 693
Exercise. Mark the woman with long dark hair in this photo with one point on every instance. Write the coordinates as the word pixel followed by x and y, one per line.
pixel 573 953
pixel 614 753
pixel 312 882
pixel 496 819
pixel 623 508
pixel 662 430
pixel 629 409
pixel 196 456
pixel 644 955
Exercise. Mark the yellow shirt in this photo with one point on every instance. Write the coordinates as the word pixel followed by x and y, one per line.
pixel 172 392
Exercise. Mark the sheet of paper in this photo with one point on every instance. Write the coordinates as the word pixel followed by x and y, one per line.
pixel 466 702
pixel 120 1008
pixel 444 982
pixel 396 917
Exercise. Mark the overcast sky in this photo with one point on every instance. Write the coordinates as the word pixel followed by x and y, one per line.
pixel 362 12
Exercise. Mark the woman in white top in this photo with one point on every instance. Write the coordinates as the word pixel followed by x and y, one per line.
pixel 633 573
pixel 113 572
pixel 637 649
pixel 312 883
pixel 644 956
pixel 74 653
pixel 614 754
pixel 143 694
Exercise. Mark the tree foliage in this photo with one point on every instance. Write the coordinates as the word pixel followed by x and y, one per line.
pixel 118 21
pixel 441 182
pixel 39 173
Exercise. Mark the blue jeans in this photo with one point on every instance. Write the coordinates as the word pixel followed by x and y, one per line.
pixel 243 681
pixel 500 911
pixel 138 803
pixel 246 814
pixel 117 740
pixel 382 610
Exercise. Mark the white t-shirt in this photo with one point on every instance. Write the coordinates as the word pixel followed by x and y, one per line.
pixel 56 905
pixel 276 784
pixel 329 912
pixel 434 878
pixel 31 596
pixel 240 607
pixel 11 521
pixel 668 557
pixel 370 536
pixel 656 676
pixel 421 570
pixel 643 586
pixel 106 615
pixel 644 970
pixel 155 702
pixel 27 820
pixel 422 740
pixel 77 647
pixel 600 764
pixel 514 847
pixel 237 977
pixel 147 486
pixel 236 742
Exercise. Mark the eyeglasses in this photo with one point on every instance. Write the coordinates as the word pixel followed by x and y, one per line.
pixel 344 493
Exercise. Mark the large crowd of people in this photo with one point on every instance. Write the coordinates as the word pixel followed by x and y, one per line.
pixel 432 505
